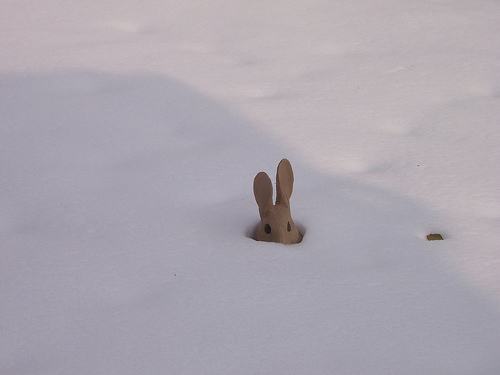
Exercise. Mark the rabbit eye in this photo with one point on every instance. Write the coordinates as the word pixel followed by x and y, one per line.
pixel 267 228
pixel 288 227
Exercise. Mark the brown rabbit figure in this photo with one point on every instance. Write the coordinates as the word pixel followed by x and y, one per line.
pixel 276 221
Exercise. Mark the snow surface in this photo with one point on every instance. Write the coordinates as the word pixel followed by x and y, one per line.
pixel 130 133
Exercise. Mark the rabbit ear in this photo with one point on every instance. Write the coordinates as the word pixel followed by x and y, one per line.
pixel 284 182
pixel 263 191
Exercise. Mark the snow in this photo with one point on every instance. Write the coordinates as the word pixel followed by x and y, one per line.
pixel 130 133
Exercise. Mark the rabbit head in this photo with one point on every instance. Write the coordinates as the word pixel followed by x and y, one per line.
pixel 276 221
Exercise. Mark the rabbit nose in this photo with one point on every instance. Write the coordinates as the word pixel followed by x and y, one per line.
pixel 281 236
